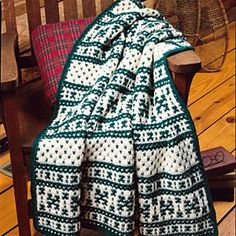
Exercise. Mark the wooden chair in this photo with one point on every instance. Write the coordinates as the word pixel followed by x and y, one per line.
pixel 25 112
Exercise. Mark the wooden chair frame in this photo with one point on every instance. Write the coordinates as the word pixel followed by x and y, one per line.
pixel 23 123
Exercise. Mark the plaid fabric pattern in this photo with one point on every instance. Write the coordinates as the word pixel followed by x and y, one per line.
pixel 52 43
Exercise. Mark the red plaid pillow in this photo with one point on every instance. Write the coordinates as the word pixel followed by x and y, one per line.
pixel 52 43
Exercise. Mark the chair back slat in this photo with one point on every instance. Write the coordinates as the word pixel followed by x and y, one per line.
pixel 70 9
pixel 105 4
pixel 9 14
pixel 51 11
pixel 33 14
pixel 89 8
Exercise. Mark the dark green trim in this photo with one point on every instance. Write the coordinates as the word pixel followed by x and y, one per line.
pixel 108 214
pixel 63 169
pixel 59 185
pixel 102 119
pixel 173 177
pixel 66 220
pixel 175 192
pixel 205 233
pixel 49 232
pixel 92 134
pixel 109 183
pixel 161 144
pixel 95 60
pixel 102 228
pixel 159 125
pixel 177 221
pixel 77 86
pixel 109 166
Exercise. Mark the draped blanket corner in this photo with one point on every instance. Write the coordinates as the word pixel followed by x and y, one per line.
pixel 121 152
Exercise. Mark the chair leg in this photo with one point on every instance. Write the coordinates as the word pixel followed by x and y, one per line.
pixel 183 82
pixel 11 121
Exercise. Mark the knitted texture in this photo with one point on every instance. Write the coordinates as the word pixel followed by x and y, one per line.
pixel 121 152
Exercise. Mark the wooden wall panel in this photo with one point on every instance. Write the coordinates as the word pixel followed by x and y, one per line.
pixel 105 4
pixel 33 13
pixel 229 4
pixel 89 8
pixel 20 7
pixel 51 11
pixel 9 13
pixel 70 9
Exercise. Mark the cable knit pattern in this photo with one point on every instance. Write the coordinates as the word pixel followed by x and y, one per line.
pixel 121 151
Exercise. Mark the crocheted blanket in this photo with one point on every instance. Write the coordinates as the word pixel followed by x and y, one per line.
pixel 121 152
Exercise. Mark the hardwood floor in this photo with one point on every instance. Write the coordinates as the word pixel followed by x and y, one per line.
pixel 224 228
pixel 211 102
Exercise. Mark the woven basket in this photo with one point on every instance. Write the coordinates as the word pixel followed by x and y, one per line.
pixel 204 23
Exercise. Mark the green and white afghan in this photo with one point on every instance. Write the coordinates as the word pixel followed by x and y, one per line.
pixel 121 152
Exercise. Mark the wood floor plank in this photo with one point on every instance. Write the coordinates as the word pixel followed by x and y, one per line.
pixel 4 157
pixel 205 82
pixel 213 106
pixel 220 134
pixel 227 227
pixel 15 231
pixel 5 181
pixel 222 208
pixel 232 28
pixel 234 152
pixel 2 130
pixel 8 218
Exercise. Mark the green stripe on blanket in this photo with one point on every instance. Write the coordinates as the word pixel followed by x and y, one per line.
pixel 121 151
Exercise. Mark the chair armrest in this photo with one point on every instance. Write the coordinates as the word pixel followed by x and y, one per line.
pixel 9 69
pixel 186 62
pixel 183 67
